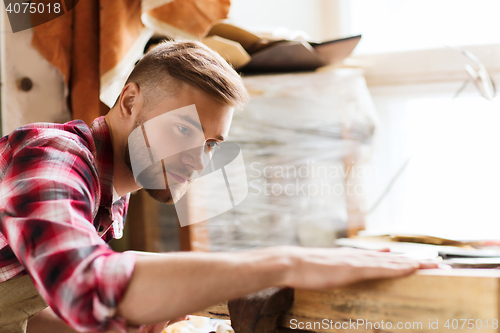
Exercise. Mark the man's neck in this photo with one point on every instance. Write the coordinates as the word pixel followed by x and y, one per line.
pixel 123 179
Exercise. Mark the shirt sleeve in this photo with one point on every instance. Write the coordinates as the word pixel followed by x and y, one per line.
pixel 47 204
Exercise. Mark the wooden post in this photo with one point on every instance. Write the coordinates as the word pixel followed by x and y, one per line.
pixel 355 215
pixel 143 223
pixel 194 237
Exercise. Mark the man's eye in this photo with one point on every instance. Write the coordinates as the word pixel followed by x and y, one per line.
pixel 212 144
pixel 184 130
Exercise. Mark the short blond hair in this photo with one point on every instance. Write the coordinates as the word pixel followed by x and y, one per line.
pixel 160 71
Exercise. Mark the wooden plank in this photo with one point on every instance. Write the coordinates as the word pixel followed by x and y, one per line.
pixel 219 311
pixel 427 297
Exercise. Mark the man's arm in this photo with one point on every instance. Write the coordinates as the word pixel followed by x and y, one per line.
pixel 167 286
pixel 48 202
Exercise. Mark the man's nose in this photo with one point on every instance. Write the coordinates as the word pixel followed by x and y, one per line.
pixel 197 158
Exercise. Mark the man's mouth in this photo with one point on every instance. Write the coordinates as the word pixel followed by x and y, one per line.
pixel 178 178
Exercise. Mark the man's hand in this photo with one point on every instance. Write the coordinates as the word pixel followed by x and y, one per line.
pixel 171 285
pixel 322 268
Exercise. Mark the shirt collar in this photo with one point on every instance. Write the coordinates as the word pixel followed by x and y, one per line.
pixel 116 197
pixel 104 159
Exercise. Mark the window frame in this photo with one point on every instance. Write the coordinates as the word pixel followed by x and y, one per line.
pixel 424 66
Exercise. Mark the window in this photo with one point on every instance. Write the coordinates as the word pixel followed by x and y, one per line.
pixel 450 186
pixel 403 25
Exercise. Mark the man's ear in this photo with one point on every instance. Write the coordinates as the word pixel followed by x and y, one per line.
pixel 130 102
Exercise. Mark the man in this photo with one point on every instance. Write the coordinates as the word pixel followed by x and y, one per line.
pixel 64 191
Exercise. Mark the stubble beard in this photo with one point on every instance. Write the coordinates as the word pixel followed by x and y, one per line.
pixel 161 195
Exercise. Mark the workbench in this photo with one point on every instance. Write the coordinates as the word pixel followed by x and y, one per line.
pixel 432 300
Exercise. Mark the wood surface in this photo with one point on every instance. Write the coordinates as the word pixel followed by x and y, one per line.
pixel 143 223
pixel 355 213
pixel 259 312
pixel 196 236
pixel 425 297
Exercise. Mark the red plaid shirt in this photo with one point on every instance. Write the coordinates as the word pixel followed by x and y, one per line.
pixel 56 217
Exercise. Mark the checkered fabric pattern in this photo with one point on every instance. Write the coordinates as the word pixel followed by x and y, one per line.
pixel 56 217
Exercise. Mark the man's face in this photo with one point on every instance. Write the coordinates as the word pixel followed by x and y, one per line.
pixel 183 132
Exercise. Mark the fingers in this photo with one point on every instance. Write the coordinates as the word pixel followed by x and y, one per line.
pixel 145 329
pixel 404 268
pixel 391 266
pixel 179 319
pixel 139 329
pixel 388 271
pixel 423 264
pixel 158 328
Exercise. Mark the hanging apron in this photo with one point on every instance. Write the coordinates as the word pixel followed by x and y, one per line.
pixel 19 301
